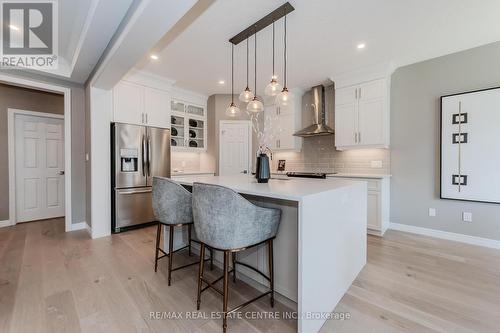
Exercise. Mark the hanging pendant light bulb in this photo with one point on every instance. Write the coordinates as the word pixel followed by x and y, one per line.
pixel 255 105
pixel 273 88
pixel 284 97
pixel 232 110
pixel 246 95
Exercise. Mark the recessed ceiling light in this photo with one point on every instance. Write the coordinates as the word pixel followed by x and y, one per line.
pixel 361 46
pixel 13 27
pixel 154 57
pixel 222 81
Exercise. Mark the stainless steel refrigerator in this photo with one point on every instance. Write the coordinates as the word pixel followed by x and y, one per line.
pixel 137 154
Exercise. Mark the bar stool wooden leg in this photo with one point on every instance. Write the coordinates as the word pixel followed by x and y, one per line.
pixel 158 235
pixel 226 277
pixel 271 269
pixel 200 274
pixel 170 251
pixel 234 266
pixel 189 238
pixel 211 259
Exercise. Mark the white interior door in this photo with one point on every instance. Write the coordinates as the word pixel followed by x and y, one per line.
pixel 39 163
pixel 234 148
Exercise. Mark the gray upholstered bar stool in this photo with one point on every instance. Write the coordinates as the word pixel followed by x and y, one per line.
pixel 172 206
pixel 226 221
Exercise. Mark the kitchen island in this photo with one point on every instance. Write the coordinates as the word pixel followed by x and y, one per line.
pixel 321 244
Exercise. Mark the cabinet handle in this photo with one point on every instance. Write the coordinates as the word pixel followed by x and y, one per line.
pixel 359 137
pixel 355 137
pixel 142 114
pixel 359 93
pixel 146 118
pixel 356 93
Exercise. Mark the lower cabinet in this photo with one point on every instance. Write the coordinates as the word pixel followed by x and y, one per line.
pixel 378 204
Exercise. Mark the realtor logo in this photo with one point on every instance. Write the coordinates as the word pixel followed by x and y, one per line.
pixel 29 34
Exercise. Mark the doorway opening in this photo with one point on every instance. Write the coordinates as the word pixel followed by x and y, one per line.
pixel 37 129
pixel 235 147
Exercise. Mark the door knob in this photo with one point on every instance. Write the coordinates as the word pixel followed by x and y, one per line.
pixel 245 171
pixel 61 173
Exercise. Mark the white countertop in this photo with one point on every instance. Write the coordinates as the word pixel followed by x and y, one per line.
pixel 293 189
pixel 190 173
pixel 359 175
pixel 343 175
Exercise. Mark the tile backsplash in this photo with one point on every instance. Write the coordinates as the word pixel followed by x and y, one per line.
pixel 318 154
pixel 191 162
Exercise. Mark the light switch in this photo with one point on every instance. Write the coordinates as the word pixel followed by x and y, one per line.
pixel 467 217
pixel 432 212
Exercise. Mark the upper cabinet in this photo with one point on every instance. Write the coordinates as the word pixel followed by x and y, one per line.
pixel 362 115
pixel 281 122
pixel 189 126
pixel 141 105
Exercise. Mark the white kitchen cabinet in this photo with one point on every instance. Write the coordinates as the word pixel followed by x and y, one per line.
pixel 281 122
pixel 188 126
pixel 128 103
pixel 157 107
pixel 378 204
pixel 141 105
pixel 362 115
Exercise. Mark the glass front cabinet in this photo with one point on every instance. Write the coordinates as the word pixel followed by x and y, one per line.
pixel 189 126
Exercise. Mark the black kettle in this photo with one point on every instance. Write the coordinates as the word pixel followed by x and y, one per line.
pixel 262 171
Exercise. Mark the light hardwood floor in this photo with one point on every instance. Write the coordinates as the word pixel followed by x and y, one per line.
pixel 51 281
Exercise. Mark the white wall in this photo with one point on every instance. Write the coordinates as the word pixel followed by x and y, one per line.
pixel 415 110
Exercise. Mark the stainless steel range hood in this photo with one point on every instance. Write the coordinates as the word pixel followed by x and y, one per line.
pixel 319 115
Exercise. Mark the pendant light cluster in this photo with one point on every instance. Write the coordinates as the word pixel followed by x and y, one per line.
pixel 283 96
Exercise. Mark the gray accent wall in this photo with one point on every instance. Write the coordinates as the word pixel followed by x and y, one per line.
pixel 415 128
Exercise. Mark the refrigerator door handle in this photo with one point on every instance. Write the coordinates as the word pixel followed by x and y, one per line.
pixel 130 192
pixel 150 157
pixel 143 157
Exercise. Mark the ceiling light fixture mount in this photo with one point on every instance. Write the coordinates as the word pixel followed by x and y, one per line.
pixel 361 46
pixel 264 22
pixel 154 57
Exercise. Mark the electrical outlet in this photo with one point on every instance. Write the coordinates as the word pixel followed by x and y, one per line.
pixel 467 217
pixel 432 212
pixel 376 164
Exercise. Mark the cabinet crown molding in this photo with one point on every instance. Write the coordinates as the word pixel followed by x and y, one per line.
pixel 149 79
pixel 364 74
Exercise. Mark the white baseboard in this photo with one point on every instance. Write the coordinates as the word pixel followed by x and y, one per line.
pixel 473 240
pixel 88 229
pixel 78 226
pixel 5 223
